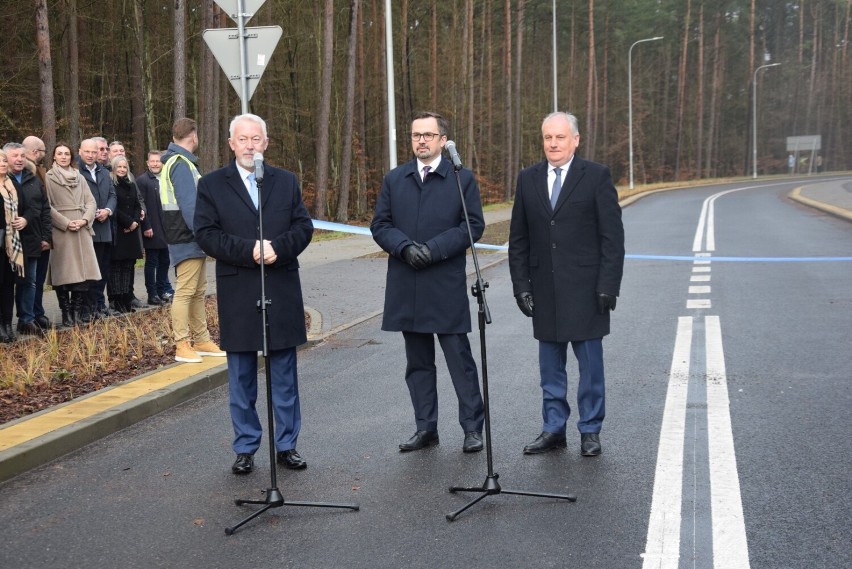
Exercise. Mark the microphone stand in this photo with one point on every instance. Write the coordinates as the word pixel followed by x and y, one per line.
pixel 274 498
pixel 490 487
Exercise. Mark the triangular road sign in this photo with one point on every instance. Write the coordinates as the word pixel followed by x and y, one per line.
pixel 231 7
pixel 225 46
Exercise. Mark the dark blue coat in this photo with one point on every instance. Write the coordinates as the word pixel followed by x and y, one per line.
pixel 565 255
pixel 226 228
pixel 104 193
pixel 434 299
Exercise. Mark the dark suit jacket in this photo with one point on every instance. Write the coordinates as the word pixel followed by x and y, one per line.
pixel 149 188
pixel 226 228
pixel 434 299
pixel 565 255
pixel 104 193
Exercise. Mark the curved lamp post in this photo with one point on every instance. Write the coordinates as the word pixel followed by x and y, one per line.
pixel 630 98
pixel 754 117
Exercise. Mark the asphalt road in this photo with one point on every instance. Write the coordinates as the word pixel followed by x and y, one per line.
pixel 726 444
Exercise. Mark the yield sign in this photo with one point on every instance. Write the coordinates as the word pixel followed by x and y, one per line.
pixel 260 42
pixel 232 8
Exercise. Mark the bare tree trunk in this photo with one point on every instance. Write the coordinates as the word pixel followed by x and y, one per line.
pixel 589 143
pixel 381 73
pixel 324 110
pixel 699 107
pixel 180 58
pixel 208 120
pixel 361 128
pixel 681 88
pixel 519 42
pixel 433 86
pixel 404 62
pixel 715 96
pixel 137 97
pixel 72 107
pixel 348 119
pixel 509 153
pixel 45 74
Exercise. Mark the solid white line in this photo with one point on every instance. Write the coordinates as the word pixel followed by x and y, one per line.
pixel 701 289
pixel 662 548
pixel 730 546
pixel 698 303
pixel 699 278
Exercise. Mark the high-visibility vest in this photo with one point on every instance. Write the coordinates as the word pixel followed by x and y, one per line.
pixel 167 188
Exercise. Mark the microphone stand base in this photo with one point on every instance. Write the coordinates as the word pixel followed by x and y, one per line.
pixel 274 499
pixel 491 487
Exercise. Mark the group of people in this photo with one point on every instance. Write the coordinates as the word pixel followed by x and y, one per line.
pixel 79 226
pixel 566 256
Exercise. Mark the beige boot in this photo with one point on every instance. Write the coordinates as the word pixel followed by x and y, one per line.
pixel 208 348
pixel 185 353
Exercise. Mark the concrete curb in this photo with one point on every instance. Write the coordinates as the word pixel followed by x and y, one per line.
pixel 842 213
pixel 52 445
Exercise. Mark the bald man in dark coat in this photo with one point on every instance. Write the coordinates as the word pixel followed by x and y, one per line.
pixel 566 258
pixel 420 223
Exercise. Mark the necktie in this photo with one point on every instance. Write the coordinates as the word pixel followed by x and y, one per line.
pixel 426 171
pixel 557 187
pixel 252 189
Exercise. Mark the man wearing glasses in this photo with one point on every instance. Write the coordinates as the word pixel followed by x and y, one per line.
pixel 419 222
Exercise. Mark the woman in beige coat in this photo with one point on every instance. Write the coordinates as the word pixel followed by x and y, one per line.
pixel 72 210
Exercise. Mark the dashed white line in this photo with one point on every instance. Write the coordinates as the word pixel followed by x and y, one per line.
pixel 699 278
pixel 699 289
pixel 698 303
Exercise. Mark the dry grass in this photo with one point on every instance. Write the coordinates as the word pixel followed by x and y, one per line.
pixel 82 353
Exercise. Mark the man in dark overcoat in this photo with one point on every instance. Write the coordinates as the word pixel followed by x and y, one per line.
pixel 153 237
pixel 566 258
pixel 226 228
pixel 420 223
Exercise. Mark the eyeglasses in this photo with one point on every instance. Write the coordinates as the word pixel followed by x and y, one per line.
pixel 427 136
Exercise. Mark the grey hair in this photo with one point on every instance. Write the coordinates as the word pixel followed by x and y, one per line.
pixel 12 146
pixel 572 120
pixel 247 117
pixel 99 139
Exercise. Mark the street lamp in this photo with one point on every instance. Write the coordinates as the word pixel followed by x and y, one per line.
pixel 555 104
pixel 630 98
pixel 754 116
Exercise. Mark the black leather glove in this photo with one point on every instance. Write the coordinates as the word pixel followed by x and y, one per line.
pixel 414 256
pixel 425 254
pixel 525 303
pixel 606 302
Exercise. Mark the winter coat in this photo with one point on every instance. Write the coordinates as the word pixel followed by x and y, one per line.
pixel 35 208
pixel 149 187
pixel 73 258
pixel 127 245
pixel 434 299
pixel 565 255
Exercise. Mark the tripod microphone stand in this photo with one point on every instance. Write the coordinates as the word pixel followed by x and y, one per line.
pixel 274 498
pixel 490 487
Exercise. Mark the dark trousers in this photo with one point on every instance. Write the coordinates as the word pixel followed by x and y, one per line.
pixel 7 287
pixel 103 252
pixel 157 272
pixel 242 389
pixel 552 361
pixel 41 277
pixel 421 377
pixel 25 291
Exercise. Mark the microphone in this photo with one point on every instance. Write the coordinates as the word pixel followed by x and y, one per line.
pixel 258 167
pixel 454 154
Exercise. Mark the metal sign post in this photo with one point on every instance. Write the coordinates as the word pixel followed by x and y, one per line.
pixel 244 65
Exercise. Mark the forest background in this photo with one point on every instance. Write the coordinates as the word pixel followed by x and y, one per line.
pixel 125 69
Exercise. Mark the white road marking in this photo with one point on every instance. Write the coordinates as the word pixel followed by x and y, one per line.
pixel 703 289
pixel 730 546
pixel 662 548
pixel 699 278
pixel 693 303
pixel 700 269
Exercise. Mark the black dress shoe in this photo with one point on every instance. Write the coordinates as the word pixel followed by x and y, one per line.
pixel 421 439
pixel 472 442
pixel 545 442
pixel 29 328
pixel 155 300
pixel 136 303
pixel 244 464
pixel 43 322
pixel 291 459
pixel 590 444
